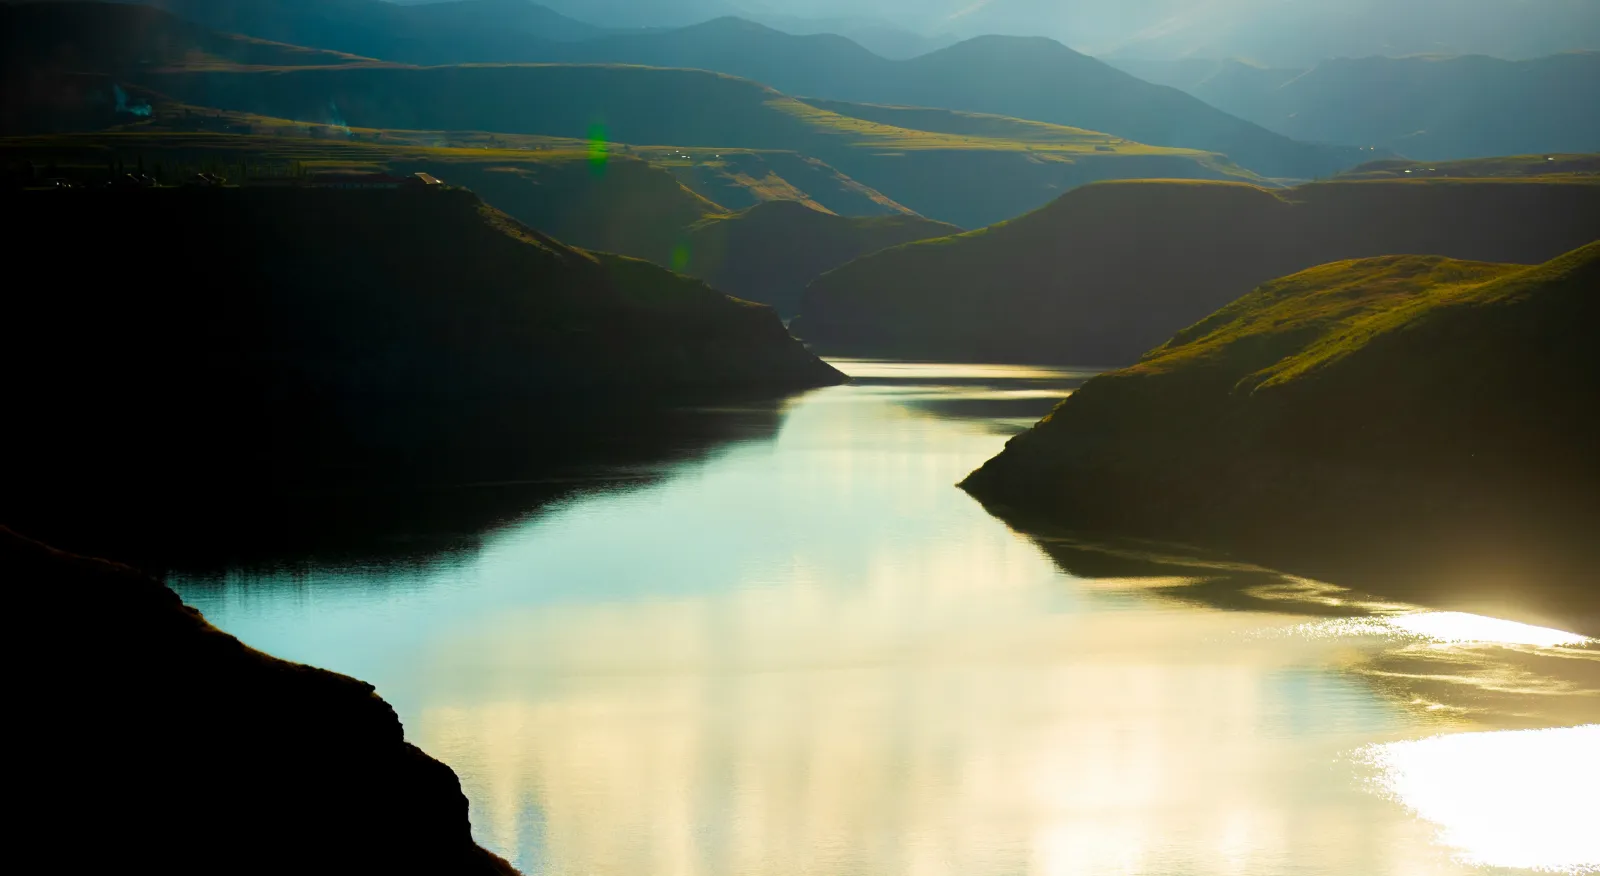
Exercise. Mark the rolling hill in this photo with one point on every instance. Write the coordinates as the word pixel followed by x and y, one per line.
pixel 1425 107
pixel 1113 269
pixel 769 252
pixel 1082 92
pixel 1414 423
pixel 965 180
pixel 1026 78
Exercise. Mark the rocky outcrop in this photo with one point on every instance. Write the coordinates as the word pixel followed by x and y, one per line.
pixel 150 741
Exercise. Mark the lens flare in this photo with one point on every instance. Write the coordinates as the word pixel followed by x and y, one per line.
pixel 599 151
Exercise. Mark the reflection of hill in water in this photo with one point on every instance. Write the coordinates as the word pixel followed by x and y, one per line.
pixel 1548 578
pixel 1193 577
pixel 385 493
pixel 1005 398
pixel 1445 666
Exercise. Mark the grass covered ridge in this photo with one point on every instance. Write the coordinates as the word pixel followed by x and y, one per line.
pixel 1395 416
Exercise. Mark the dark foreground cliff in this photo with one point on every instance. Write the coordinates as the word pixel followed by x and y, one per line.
pixel 1110 270
pixel 1414 425
pixel 173 353
pixel 150 741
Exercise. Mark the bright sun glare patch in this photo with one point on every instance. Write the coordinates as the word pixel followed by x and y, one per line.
pixel 1455 626
pixel 1519 799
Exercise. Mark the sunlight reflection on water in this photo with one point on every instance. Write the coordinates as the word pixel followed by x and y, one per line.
pixel 1516 799
pixel 1455 626
pixel 811 654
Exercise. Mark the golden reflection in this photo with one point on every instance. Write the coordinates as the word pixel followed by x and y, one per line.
pixel 892 369
pixel 1513 799
pixel 936 723
pixel 1455 626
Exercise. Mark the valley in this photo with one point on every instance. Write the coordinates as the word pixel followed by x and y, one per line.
pixel 727 438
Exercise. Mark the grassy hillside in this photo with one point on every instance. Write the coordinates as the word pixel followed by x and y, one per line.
pixel 962 179
pixel 1081 91
pixel 1110 270
pixel 1436 108
pixel 630 205
pixel 1430 418
pixel 769 252
pixel 305 770
pixel 742 178
pixel 1026 78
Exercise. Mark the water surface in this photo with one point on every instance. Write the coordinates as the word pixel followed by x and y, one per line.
pixel 805 652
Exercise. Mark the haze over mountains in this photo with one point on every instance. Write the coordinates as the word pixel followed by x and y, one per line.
pixel 1427 107
pixel 1275 32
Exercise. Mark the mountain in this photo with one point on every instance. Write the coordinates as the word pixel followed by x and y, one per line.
pixel 1113 269
pixel 1425 107
pixel 876 35
pixel 1026 78
pixel 304 770
pixel 515 16
pixel 436 33
pixel 769 252
pixel 1078 91
pixel 964 180
pixel 1428 416
pixel 42 39
pixel 633 14
pixel 1299 34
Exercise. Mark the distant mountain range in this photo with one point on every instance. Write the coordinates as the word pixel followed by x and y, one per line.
pixel 1034 78
pixel 1436 108
pixel 1285 33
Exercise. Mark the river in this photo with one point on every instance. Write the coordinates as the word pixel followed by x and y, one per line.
pixel 804 651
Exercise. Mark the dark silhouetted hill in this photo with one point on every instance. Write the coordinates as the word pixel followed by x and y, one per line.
pixel 1113 269
pixel 1409 424
pixel 436 33
pixel 769 252
pixel 214 757
pixel 115 38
